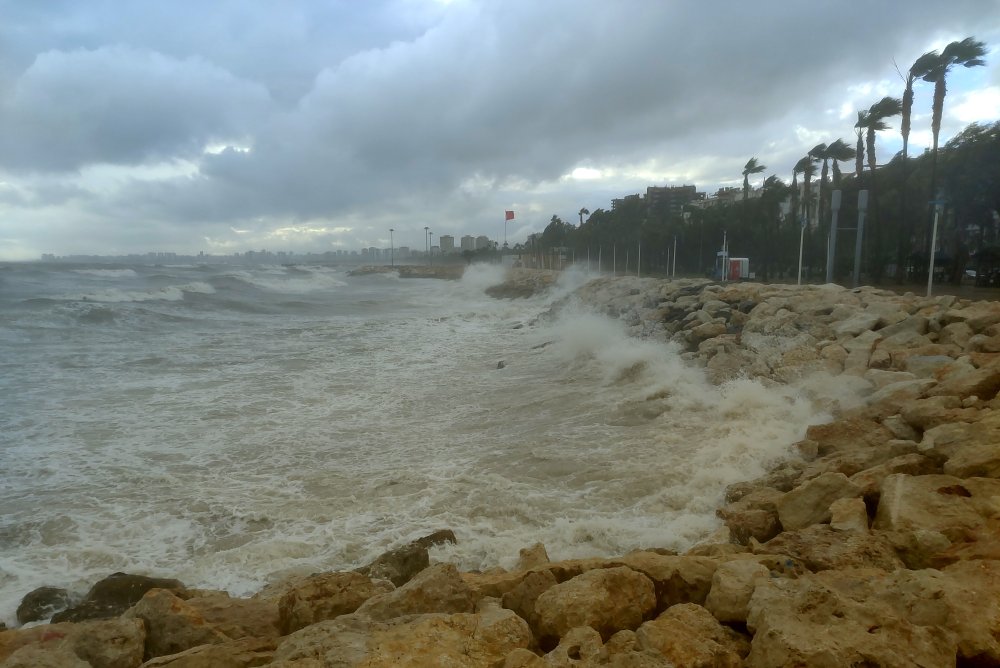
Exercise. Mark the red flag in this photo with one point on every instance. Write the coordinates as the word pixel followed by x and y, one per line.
pixel 508 215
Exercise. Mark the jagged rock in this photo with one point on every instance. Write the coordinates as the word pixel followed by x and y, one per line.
pixel 530 557
pixel 809 503
pixel 847 434
pixel 607 600
pixel 856 324
pixel 325 596
pixel 732 586
pixel 42 603
pixel 850 462
pixel 688 635
pixel 837 618
pixel 849 515
pixel 927 366
pixel 44 657
pixel 114 595
pixel 754 515
pixel 978 315
pixel 461 640
pixel 105 643
pixel 924 414
pixel 958 333
pixel 242 653
pixel 952 506
pixel 983 383
pixel 172 624
pixel 398 565
pixel 675 579
pixel 439 537
pixel 439 588
pixel 820 548
pixel 521 599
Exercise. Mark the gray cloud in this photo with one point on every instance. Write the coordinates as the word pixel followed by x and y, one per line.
pixel 384 112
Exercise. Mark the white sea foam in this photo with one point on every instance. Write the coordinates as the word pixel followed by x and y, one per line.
pixel 279 280
pixel 223 455
pixel 170 293
pixel 107 273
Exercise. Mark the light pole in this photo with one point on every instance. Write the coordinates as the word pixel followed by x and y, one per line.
pixel 862 209
pixel 802 234
pixel 427 245
pixel 430 236
pixel 938 205
pixel 392 249
pixel 831 254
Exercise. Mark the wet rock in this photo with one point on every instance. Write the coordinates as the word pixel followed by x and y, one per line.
pixel 849 515
pixel 114 595
pixel 42 603
pixel 325 596
pixel 398 565
pixel 172 625
pixel 754 515
pixel 521 599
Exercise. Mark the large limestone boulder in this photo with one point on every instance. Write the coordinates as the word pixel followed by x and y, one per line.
pixel 809 503
pixel 521 599
pixel 970 381
pixel 821 547
pixel 685 579
pixel 243 653
pixel 114 595
pixel 754 515
pixel 847 434
pixel 172 624
pixel 110 643
pixel 870 480
pixel 732 586
pixel 439 588
pixel 836 618
pixel 688 635
pixel 459 640
pixel 532 556
pixel 238 617
pixel 951 506
pixel 607 600
pixel 325 596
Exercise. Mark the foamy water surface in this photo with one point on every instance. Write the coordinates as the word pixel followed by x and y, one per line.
pixel 224 425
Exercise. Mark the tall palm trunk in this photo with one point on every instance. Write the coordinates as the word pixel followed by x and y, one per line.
pixel 903 242
pixel 875 265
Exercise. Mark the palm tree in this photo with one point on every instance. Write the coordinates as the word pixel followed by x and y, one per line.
pixel 837 151
pixel 752 167
pixel 968 53
pixel 920 68
pixel 801 167
pixel 872 121
pixel 583 211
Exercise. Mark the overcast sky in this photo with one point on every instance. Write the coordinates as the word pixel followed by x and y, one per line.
pixel 311 125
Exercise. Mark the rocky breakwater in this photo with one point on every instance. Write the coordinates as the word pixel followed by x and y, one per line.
pixel 876 543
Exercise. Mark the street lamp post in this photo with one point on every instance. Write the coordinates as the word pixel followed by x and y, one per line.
pixel 938 205
pixel 427 245
pixel 802 234
pixel 392 249
pixel 862 209
pixel 831 255
pixel 430 236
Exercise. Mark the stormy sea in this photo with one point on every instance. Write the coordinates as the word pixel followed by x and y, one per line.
pixel 226 424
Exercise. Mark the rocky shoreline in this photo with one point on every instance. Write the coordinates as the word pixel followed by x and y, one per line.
pixel 876 543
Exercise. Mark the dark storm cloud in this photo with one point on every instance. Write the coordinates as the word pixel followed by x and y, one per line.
pixel 376 110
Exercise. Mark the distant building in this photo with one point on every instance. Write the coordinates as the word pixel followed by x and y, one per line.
pixel 468 243
pixel 621 201
pixel 670 200
pixel 447 243
pixel 482 242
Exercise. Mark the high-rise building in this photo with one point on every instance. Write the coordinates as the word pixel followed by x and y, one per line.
pixel 468 243
pixel 447 243
pixel 482 242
